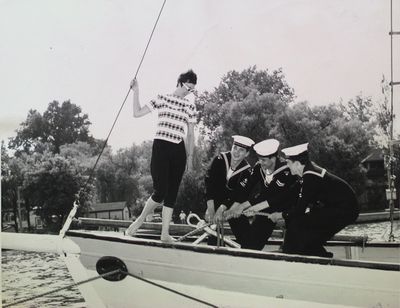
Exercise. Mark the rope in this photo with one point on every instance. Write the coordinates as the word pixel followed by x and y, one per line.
pixel 124 101
pixel 91 174
pixel 169 289
pixel 60 289
pixel 183 237
pixel 209 228
pixel 252 214
pixel 226 240
pixel 261 214
pixel 218 234
pixel 109 274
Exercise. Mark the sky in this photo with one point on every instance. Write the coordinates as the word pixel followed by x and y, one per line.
pixel 87 51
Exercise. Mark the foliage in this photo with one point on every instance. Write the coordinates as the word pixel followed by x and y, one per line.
pixel 117 177
pixel 384 112
pixel 125 176
pixel 235 87
pixel 360 108
pixel 255 116
pixel 52 183
pixel 11 179
pixel 191 195
pixel 339 135
pixel 57 126
pixel 336 143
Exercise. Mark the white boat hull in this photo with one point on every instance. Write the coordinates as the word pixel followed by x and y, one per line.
pixel 228 277
pixel 343 246
pixel 220 276
pixel 135 293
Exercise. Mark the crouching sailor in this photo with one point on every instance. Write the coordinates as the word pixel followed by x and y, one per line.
pixel 326 204
pixel 269 191
pixel 226 178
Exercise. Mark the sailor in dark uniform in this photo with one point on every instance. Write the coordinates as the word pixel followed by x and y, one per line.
pixel 226 178
pixel 268 190
pixel 326 204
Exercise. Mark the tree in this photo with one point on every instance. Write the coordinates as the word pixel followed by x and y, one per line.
pixel 337 143
pixel 360 108
pixel 11 179
pixel 58 125
pixel 125 175
pixel 191 195
pixel 384 114
pixel 236 87
pixel 246 103
pixel 53 183
pixel 385 119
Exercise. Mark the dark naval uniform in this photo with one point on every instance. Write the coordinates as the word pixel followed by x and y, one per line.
pixel 221 189
pixel 326 204
pixel 276 188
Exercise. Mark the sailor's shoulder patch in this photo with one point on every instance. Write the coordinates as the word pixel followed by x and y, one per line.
pixel 320 173
pixel 279 183
pixel 244 182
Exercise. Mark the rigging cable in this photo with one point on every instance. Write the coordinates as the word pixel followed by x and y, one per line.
pixel 91 174
pixel 113 272
pixel 123 103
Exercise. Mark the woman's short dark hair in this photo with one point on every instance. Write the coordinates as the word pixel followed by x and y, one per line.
pixel 189 77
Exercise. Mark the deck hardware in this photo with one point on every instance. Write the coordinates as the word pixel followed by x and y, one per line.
pixel 108 264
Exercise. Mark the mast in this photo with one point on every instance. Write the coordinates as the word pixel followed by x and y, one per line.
pixel 391 191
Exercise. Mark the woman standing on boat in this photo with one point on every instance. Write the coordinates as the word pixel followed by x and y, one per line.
pixel 226 178
pixel 270 189
pixel 326 204
pixel 172 146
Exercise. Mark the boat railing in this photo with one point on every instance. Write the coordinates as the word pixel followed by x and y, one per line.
pixel 181 229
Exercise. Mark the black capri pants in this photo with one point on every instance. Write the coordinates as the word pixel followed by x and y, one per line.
pixel 168 163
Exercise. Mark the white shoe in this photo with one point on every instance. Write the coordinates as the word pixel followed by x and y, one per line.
pixel 167 239
pixel 132 229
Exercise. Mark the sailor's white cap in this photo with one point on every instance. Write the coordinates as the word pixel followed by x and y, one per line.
pixel 295 151
pixel 267 147
pixel 242 141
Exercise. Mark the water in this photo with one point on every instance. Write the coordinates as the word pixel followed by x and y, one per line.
pixel 26 274
pixel 375 231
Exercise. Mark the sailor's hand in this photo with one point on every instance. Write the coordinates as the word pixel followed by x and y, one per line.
pixel 134 84
pixel 251 211
pixel 209 215
pixel 219 215
pixel 280 224
pixel 275 216
pixel 227 214
pixel 235 211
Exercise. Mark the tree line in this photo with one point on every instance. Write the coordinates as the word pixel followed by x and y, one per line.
pixel 52 155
